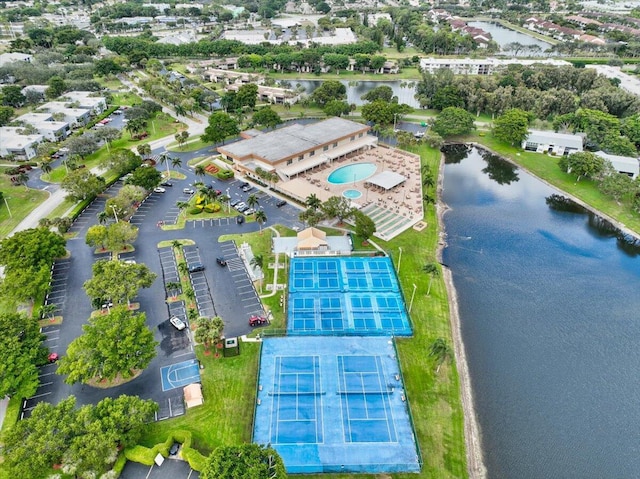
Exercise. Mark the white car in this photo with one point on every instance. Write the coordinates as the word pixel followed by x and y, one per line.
pixel 188 191
pixel 159 189
pixel 177 323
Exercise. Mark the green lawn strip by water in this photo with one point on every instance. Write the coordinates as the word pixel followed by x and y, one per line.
pixel 225 418
pixel 546 167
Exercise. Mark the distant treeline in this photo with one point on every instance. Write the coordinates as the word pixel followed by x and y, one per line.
pixel 145 47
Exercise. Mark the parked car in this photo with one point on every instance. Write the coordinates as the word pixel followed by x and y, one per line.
pixel 249 211
pixel 233 203
pixel 177 323
pixel 243 208
pixel 159 189
pixel 244 184
pixel 195 267
pixel 221 261
pixel 188 191
pixel 258 321
pixel 280 203
pixel 240 206
pixel 240 219
pixel 53 357
pixel 166 183
pixel 247 188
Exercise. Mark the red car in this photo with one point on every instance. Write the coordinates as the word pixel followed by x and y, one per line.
pixel 258 321
pixel 53 357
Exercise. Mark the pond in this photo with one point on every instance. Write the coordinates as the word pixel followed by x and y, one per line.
pixel 405 91
pixel 503 36
pixel 548 299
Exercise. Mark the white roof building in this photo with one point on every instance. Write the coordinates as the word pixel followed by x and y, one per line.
pixel 45 124
pixel 74 116
pixel 623 164
pixel 23 147
pixel 542 141
pixel 14 57
pixel 482 66
pixel 86 100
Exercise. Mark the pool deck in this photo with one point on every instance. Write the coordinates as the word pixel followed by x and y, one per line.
pixel 393 211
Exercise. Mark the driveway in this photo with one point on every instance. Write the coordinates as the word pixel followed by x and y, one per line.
pixel 170 469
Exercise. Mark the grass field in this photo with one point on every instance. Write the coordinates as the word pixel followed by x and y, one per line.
pixel 21 201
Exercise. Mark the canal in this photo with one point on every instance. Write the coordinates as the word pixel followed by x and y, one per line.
pixel 505 37
pixel 549 306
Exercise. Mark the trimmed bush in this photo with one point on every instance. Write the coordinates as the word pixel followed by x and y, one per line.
pixel 195 211
pixel 199 200
pixel 225 174
pixel 209 209
pixel 140 454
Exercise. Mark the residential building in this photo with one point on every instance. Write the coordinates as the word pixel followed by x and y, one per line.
pixel 623 164
pixel 14 143
pixel 50 129
pixel 86 100
pixel 6 58
pixel 294 149
pixel 275 95
pixel 482 66
pixel 551 142
pixel 76 117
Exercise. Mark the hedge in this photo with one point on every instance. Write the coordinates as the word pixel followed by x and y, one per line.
pixel 225 174
pixel 195 211
pixel 146 456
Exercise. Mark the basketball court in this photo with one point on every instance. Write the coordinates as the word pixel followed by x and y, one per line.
pixel 180 374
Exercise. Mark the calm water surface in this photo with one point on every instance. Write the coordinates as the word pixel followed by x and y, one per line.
pixel 503 36
pixel 550 315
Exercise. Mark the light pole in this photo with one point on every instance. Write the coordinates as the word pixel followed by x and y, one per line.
pixel 399 258
pixel 7 205
pixel 114 212
pixel 413 295
pixel 228 202
pixel 395 116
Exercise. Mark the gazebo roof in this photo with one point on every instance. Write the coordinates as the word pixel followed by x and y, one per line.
pixel 387 179
pixel 312 238
pixel 193 395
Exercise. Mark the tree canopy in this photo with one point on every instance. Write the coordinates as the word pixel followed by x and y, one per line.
pixel 364 226
pixel 453 121
pixel 585 164
pixel 22 351
pixel 512 127
pixel 266 117
pixel 145 177
pixel 84 440
pixel 81 184
pixel 116 343
pixel 247 461
pixel 221 126
pixel 329 90
pixel 118 281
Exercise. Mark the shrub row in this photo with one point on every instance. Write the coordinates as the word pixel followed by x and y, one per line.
pixel 146 456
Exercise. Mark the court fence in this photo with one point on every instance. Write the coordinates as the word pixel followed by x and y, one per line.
pixel 256 404
pixel 408 402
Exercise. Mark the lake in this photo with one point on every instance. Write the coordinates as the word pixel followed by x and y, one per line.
pixel 503 36
pixel 405 91
pixel 549 306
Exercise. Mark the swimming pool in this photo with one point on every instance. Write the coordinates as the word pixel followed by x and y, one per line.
pixel 352 194
pixel 351 173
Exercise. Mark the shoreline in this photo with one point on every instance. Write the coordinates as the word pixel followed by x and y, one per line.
pixel 472 435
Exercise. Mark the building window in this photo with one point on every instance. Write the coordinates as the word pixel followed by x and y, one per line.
pixel 335 145
pixel 325 148
pixel 312 153
pixel 360 135
pixel 352 138
pixel 301 157
pixel 289 162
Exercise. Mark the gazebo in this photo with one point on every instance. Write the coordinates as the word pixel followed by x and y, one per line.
pixel 312 239
pixel 386 180
pixel 193 395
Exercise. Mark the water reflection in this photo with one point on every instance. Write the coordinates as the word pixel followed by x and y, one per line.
pixel 598 226
pixel 455 153
pixel 499 170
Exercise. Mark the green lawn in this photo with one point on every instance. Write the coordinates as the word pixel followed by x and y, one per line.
pixel 21 202
pixel 193 145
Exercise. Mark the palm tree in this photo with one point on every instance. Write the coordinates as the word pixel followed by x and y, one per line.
pixel 145 151
pixel 183 268
pixel 432 270
pixel 261 218
pixel 48 310
pixel 174 288
pixel 103 216
pixel 176 244
pixel 252 201
pixel 313 201
pixel 176 162
pixel 21 179
pixel 200 171
pixel 45 166
pixel 182 205
pixel 258 262
pixel 166 159
pixel 441 351
pixel 209 331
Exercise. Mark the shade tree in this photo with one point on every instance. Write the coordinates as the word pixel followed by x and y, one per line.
pixel 245 461
pixel 221 125
pixel 512 127
pixel 364 225
pixel 453 121
pixel 82 185
pixel 118 281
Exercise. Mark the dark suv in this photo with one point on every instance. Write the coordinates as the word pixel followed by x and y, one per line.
pixel 221 261
pixel 195 267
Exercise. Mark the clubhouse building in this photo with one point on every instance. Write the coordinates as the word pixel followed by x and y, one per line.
pixel 294 149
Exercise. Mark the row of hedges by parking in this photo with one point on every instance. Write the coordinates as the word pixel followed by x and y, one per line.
pixel 146 456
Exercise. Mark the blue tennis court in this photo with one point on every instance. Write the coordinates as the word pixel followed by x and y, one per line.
pixel 334 405
pixel 341 296
pixel 180 374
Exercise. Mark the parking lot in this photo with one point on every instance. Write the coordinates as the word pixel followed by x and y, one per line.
pixel 170 469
